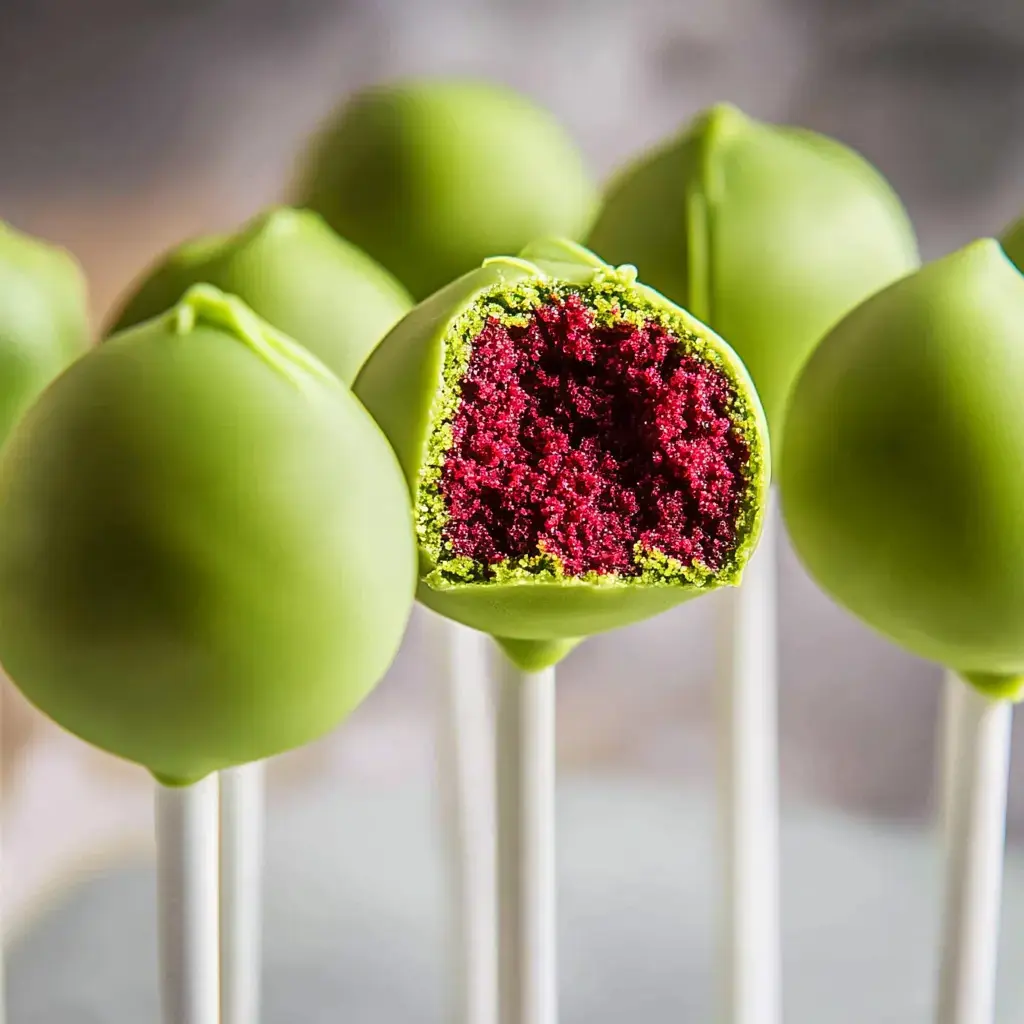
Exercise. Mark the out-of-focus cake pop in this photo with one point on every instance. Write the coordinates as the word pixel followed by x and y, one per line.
pixel 293 271
pixel 582 453
pixel 206 550
pixel 431 177
pixel 768 233
pixel 44 319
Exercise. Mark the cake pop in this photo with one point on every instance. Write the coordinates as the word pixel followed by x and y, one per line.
pixel 1013 243
pixel 582 453
pixel 206 550
pixel 44 319
pixel 902 489
pixel 292 270
pixel 322 291
pixel 903 465
pixel 767 233
pixel 432 177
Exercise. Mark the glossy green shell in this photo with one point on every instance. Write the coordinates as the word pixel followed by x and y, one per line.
pixel 44 320
pixel 768 234
pixel 432 177
pixel 292 270
pixel 206 550
pixel 400 386
pixel 902 471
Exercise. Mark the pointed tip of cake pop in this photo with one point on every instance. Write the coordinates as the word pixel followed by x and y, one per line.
pixel 536 655
pixel 996 685
pixel 177 782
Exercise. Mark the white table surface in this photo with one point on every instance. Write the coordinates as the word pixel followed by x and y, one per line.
pixel 355 930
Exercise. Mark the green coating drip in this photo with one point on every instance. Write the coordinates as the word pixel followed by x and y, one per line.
pixel 698 257
pixel 611 299
pixel 203 302
pixel 702 190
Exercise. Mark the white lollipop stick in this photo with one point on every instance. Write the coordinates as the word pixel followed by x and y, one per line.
pixel 187 869
pixel 465 747
pixel 950 714
pixel 526 846
pixel 241 884
pixel 749 952
pixel 974 866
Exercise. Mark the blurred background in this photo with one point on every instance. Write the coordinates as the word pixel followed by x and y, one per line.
pixel 127 127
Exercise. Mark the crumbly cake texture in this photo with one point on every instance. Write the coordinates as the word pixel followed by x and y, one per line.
pixel 584 433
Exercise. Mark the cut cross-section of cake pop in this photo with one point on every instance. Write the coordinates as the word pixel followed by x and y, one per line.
pixel 581 452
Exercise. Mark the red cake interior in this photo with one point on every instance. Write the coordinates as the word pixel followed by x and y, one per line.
pixel 581 440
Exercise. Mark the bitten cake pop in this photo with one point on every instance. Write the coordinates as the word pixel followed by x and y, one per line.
pixel 767 233
pixel 44 319
pixel 432 177
pixel 206 551
pixel 1013 243
pixel 292 270
pixel 903 465
pixel 582 453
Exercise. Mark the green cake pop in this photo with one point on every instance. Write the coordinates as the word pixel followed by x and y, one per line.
pixel 1013 243
pixel 902 474
pixel 292 270
pixel 432 177
pixel 44 319
pixel 581 452
pixel 206 549
pixel 769 234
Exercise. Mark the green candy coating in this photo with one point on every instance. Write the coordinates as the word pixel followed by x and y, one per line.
pixel 433 177
pixel 769 234
pixel 404 386
pixel 902 473
pixel 1013 243
pixel 536 655
pixel 294 272
pixel 206 551
pixel 44 319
